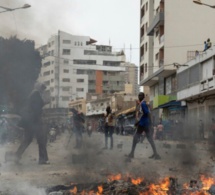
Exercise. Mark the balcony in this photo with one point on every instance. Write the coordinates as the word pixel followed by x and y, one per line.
pixel 142 38
pixel 158 19
pixel 161 62
pixel 161 39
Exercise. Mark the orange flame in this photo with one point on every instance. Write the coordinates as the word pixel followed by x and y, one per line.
pixel 91 192
pixel 160 189
pixel 136 181
pixel 74 190
pixel 100 190
pixel 114 177
pixel 206 182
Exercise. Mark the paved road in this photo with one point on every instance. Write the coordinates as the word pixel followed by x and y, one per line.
pixel 182 160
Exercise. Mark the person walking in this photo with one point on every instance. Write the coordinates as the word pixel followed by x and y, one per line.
pixel 31 122
pixel 109 127
pixel 78 126
pixel 144 125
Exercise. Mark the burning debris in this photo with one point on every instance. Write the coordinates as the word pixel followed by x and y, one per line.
pixel 118 185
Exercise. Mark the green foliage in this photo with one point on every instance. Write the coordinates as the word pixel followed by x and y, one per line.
pixel 20 66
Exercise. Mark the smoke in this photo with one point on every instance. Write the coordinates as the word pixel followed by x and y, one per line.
pixel 40 21
pixel 22 189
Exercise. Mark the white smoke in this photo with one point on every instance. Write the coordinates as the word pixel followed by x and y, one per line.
pixel 22 189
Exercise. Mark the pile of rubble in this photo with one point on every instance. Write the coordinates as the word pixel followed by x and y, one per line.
pixel 167 186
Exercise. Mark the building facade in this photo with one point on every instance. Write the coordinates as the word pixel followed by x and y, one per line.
pixel 73 66
pixel 169 31
pixel 196 87
pixel 131 77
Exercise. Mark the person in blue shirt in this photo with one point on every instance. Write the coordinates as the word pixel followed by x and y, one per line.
pixel 144 124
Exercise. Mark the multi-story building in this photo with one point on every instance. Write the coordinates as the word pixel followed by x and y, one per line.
pixel 131 77
pixel 170 30
pixel 73 66
pixel 196 86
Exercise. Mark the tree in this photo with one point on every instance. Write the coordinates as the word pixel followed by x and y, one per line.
pixel 20 66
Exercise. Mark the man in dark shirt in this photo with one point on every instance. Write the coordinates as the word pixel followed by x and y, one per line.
pixel 78 126
pixel 144 125
pixel 31 122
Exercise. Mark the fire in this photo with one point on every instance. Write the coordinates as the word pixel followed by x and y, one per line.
pixel 114 177
pixel 136 181
pixel 74 190
pixel 100 190
pixel 206 182
pixel 159 189
pixel 185 185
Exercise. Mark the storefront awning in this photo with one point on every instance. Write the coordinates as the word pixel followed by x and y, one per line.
pixel 170 104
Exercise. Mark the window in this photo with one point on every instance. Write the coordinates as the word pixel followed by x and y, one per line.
pixel 79 89
pixel 80 71
pixel 66 61
pixel 146 67
pixel 146 6
pixel 65 70
pixel 46 64
pixel 84 61
pixel 46 73
pixel 67 41
pixel 52 80
pixel 66 80
pixel 52 71
pixel 66 51
pixel 146 45
pixel 65 88
pixel 80 80
pixel 65 98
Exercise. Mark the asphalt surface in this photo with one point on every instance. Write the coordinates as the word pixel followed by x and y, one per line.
pixel 185 160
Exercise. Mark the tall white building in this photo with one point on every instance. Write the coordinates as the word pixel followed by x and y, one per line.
pixel 74 66
pixel 170 33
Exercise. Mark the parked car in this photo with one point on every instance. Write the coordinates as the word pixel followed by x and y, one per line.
pixel 129 129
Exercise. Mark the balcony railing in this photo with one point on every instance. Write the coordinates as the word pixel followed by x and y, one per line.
pixel 162 39
pixel 142 58
pixel 161 62
pixel 142 38
pixel 159 18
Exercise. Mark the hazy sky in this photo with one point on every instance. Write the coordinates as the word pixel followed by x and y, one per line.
pixel 103 20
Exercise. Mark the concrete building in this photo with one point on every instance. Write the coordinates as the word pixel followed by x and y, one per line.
pixel 196 87
pixel 170 31
pixel 79 105
pixel 131 78
pixel 74 66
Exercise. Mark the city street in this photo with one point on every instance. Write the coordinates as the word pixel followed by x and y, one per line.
pixel 184 161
